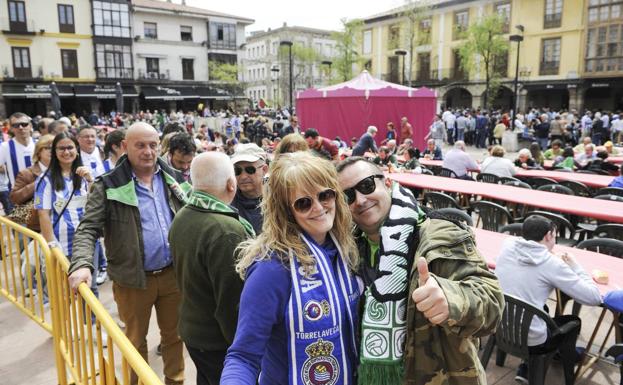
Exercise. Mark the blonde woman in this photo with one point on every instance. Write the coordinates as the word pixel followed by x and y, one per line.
pixel 291 143
pixel 298 312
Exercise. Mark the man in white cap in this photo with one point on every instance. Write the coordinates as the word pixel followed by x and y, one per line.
pixel 250 167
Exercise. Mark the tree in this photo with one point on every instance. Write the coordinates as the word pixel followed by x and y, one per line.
pixel 303 60
pixel 226 74
pixel 347 55
pixel 484 40
pixel 414 12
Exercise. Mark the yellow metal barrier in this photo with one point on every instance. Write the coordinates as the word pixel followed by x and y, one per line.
pixel 22 271
pixel 89 347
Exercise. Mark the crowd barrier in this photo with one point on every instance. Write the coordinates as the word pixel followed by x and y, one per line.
pixel 89 347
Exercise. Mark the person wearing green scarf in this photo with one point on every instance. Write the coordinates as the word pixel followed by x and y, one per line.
pixel 203 239
pixel 429 294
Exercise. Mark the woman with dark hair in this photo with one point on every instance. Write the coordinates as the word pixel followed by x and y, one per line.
pixel 61 193
pixel 113 149
pixel 566 160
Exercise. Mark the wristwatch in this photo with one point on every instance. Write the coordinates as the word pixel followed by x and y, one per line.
pixel 52 244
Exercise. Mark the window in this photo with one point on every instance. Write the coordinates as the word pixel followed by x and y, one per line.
pixel 69 61
pixel 550 57
pixel 423 69
pixel 222 35
pixel 424 34
pixel 150 30
pixel 17 16
pixel 500 65
pixel 604 11
pixel 186 33
pixel 457 72
pixel 153 67
pixel 553 14
pixel 21 62
pixel 503 10
pixel 111 19
pixel 604 51
pixel 66 18
pixel 461 23
pixel 188 69
pixel 367 42
pixel 113 61
pixel 394 36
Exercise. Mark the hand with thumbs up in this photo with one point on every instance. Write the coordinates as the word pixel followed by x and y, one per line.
pixel 428 297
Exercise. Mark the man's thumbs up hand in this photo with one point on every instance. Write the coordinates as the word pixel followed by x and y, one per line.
pixel 428 297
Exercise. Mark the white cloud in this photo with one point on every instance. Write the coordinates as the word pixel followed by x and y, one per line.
pixel 323 14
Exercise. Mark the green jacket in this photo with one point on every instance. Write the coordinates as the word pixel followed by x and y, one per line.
pixel 203 243
pixel 112 210
pixel 448 354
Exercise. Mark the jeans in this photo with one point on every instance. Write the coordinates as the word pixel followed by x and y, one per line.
pixel 451 136
pixel 460 134
pixel 6 203
pixel 542 143
pixel 596 139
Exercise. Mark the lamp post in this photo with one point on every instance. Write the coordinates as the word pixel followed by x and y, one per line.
pixel 403 53
pixel 328 64
pixel 518 39
pixel 275 71
pixel 288 44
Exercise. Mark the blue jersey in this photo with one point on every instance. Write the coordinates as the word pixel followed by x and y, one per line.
pixel 48 199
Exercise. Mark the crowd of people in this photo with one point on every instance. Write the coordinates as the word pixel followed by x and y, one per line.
pixel 241 237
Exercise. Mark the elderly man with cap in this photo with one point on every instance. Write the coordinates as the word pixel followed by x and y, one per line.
pixel 250 167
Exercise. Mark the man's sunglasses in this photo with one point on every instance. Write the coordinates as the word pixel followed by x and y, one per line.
pixel 365 186
pixel 20 124
pixel 303 205
pixel 249 169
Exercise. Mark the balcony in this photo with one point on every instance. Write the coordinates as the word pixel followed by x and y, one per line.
pixel 549 68
pixel 449 75
pixel 114 73
pixel 32 73
pixel 553 20
pixel 18 28
pixel 152 75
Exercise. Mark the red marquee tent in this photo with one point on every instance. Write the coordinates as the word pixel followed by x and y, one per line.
pixel 347 109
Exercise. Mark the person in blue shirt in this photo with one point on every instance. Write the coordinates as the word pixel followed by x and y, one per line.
pixel 432 151
pixel 366 142
pixel 298 308
pixel 618 181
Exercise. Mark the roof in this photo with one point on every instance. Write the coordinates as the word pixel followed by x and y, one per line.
pixel 174 7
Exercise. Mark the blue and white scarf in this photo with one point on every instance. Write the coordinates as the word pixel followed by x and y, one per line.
pixel 319 306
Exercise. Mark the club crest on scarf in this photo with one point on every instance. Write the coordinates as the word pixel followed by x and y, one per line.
pixel 321 368
pixel 315 310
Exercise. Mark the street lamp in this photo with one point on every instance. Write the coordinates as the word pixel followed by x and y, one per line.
pixel 289 45
pixel 328 64
pixel 275 71
pixel 518 39
pixel 403 53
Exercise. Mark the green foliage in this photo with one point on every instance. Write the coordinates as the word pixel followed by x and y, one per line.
pixel 223 72
pixel 346 54
pixel 414 12
pixel 485 41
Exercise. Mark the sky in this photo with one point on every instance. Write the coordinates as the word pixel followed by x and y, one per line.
pixel 322 14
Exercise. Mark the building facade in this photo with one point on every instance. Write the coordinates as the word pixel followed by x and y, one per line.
pixel 44 41
pixel 160 53
pixel 571 55
pixel 266 64
pixel 175 46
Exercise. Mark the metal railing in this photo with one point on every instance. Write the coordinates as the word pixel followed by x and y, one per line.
pixel 89 347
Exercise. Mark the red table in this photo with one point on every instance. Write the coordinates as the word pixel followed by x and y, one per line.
pixel 590 180
pixel 610 211
pixel 489 244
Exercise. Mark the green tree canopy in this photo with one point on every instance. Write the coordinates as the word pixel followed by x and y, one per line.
pixel 346 48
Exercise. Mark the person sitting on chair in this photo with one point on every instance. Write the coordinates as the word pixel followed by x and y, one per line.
pixel 528 269
pixel 618 181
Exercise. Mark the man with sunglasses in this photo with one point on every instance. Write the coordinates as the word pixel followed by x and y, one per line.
pixel 426 278
pixel 250 168
pixel 16 153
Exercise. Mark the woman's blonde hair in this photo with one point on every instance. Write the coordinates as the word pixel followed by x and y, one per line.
pixel 291 143
pixel 498 151
pixel 44 141
pixel 280 235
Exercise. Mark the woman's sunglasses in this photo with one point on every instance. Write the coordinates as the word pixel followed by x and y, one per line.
pixel 365 186
pixel 249 169
pixel 303 205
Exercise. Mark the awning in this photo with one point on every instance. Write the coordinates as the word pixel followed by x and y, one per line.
pixel 217 94
pixel 169 93
pixel 35 91
pixel 103 91
pixel 551 85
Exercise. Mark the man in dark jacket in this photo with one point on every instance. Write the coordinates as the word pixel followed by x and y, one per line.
pixel 133 207
pixel 203 237
pixel 250 168
pixel 366 142
pixel 427 279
